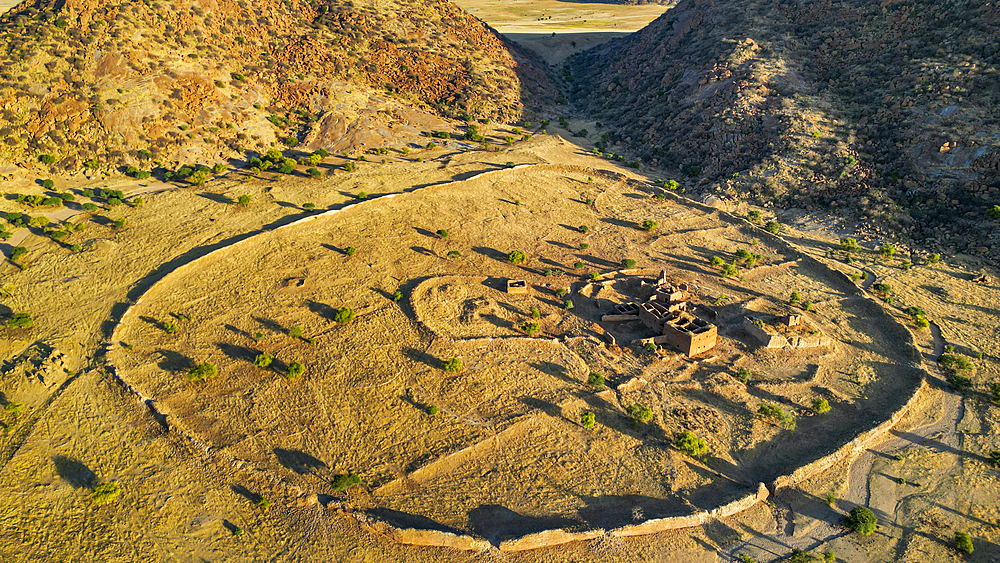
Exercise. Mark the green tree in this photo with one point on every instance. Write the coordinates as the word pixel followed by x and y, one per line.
pixel 344 315
pixel 587 419
pixel 628 263
pixel 202 371
pixel 244 200
pixel 345 481
pixel 20 320
pixel 640 412
pixel 649 225
pixel 773 227
pixel 861 520
pixel 595 380
pixel 963 542
pixel 295 369
pixel 691 444
pixel 530 328
pixel 105 493
pixel 716 261
pixel 263 360
pixel 516 257
pixel 820 406
pixel 453 365
pixel 295 331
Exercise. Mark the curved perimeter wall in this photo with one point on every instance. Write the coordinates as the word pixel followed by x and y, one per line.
pixel 546 538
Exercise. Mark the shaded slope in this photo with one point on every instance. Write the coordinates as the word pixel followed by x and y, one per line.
pixel 888 110
pixel 82 80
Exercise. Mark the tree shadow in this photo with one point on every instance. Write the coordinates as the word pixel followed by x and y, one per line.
pixel 562 245
pixel 218 198
pixel 422 250
pixel 271 325
pixel 239 353
pixel 404 520
pixel 298 461
pixel 246 493
pixel 421 357
pixel 555 370
pixel 173 361
pixel 490 253
pixel 74 472
pixel 322 309
pixel 427 233
pixel 239 331
pixel 548 408
pixel 621 223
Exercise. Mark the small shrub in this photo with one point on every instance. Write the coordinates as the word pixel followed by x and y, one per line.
pixel 861 520
pixel 628 263
pixel 716 261
pixel 568 305
pixel 264 503
pixel 48 184
pixel 244 200
pixel 584 246
pixel 887 250
pixel 583 228
pixel 587 420
pixel 47 159
pixel 595 380
pixel 779 414
pixel 649 225
pixel 362 195
pixel 454 254
pixel 829 499
pixel 535 313
pixel 443 233
pixel 773 227
pixel 799 556
pixel 650 346
pixel 963 542
pixel 295 369
pixel 730 270
pixel 309 206
pixel 202 371
pixel 933 259
pixel 349 166
pixel 433 410
pixel 398 296
pixel 516 257
pixel 295 331
pixel 313 172
pixel 820 406
pixel 345 315
pixel 690 444
pixel 89 207
pixel 105 493
pixel 594 276
pixel 345 481
pixel 743 374
pixel 530 328
pixel 169 327
pixel 13 408
pixel 794 298
pixel 453 365
pixel 753 216
pixel 640 412
pixel 21 320
pixel 350 251
pixel 849 245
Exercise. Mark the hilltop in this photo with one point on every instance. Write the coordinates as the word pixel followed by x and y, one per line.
pixel 886 111
pixel 88 85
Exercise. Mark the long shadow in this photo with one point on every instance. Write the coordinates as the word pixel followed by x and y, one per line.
pixel 598 261
pixel 620 223
pixel 497 523
pixel 490 253
pixel 238 353
pixel 218 198
pixel 74 472
pixel 419 356
pixel 298 461
pixel 548 408
pixel 405 520
pixel 937 445
pixel 562 245
pixel 239 331
pixel 613 511
pixel 245 493
pixel 271 325
pixel 555 370
pixel 322 309
pixel 173 361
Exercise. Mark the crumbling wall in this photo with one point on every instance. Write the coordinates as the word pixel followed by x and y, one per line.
pixel 767 339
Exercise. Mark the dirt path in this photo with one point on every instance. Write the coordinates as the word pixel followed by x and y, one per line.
pixel 943 432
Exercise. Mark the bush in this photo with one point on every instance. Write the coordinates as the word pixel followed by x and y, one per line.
pixel 794 298
pixel 17 252
pixel 344 315
pixel 640 412
pixel 349 166
pixel 345 481
pixel 587 419
pixel 138 202
pixel 350 251
pixel 263 360
pixel 516 257
pixel 773 227
pixel 776 412
pixel 649 225
pixel 887 250
pixel 47 159
pixel 398 296
pixel 743 374
pixel 753 216
pixel 21 320
pixel 13 408
pixel 861 520
pixel 799 556
pixel 530 328
pixel 716 261
pixel 994 213
pixel 264 503
pixel 454 254
pixel 308 206
pixel 730 270
pixel 443 233
pixel 594 276
pixel 568 305
pixel 169 327
pixel 48 184
pixel 453 365
pixel 295 331
pixel 690 444
pixel 933 259
pixel 849 245
pixel 433 410
pixel 820 406
pixel 583 228
pixel 119 223
pixel 628 263
pixel 105 493
pixel 202 371
pixel 244 200
pixel 313 172
pixel 584 246
pixel 963 542
pixel 89 207
pixel 295 369
pixel 595 380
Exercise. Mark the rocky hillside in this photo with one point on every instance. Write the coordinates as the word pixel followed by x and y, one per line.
pixel 888 110
pixel 93 84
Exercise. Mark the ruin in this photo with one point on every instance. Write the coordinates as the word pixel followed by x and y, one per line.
pixel 788 330
pixel 517 287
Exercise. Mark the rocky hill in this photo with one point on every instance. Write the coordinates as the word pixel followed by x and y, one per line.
pixel 89 84
pixel 888 110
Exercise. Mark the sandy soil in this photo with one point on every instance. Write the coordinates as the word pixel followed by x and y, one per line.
pixel 506 454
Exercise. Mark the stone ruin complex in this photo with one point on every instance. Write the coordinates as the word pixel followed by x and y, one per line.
pixel 783 331
pixel 670 312
pixel 517 287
